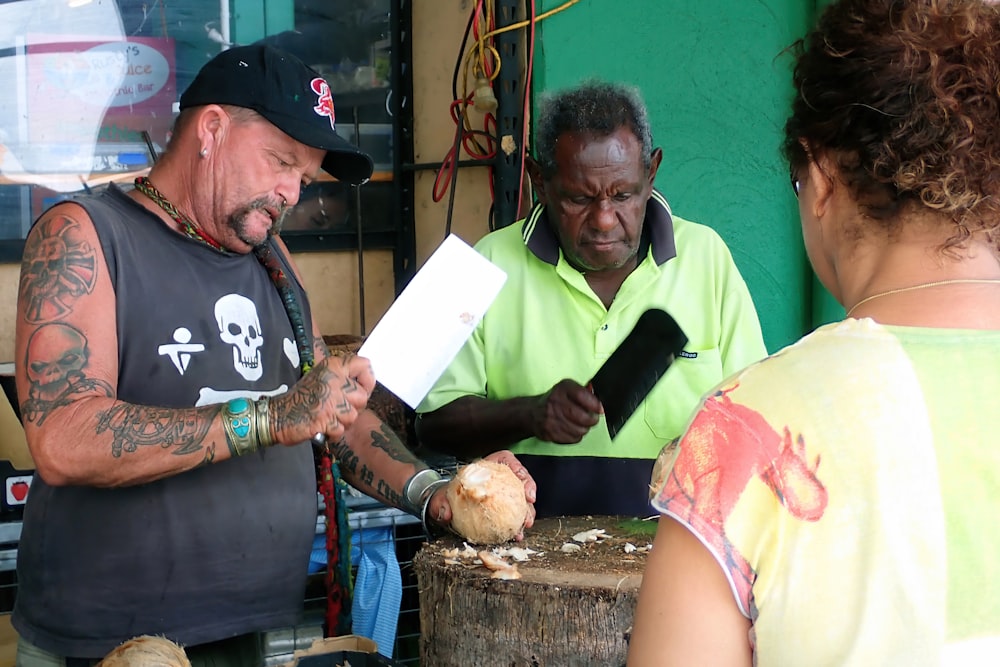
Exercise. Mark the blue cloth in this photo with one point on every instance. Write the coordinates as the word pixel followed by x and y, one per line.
pixel 378 585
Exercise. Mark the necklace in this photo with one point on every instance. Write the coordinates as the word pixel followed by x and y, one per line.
pixel 303 338
pixel 267 259
pixel 936 283
pixel 143 185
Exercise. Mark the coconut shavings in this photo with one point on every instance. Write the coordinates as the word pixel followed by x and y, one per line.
pixel 591 535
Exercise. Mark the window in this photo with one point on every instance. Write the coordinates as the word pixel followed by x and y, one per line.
pixel 91 88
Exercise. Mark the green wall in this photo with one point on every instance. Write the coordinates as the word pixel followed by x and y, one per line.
pixel 717 88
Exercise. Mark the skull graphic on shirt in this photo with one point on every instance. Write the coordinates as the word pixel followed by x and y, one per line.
pixel 239 326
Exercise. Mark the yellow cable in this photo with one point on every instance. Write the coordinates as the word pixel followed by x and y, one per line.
pixel 480 48
pixel 481 43
pixel 514 26
pixel 488 11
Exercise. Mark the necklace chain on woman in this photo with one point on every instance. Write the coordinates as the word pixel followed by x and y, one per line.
pixel 936 283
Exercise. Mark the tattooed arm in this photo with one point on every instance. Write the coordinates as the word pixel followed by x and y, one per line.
pixel 371 456
pixel 66 347
pixel 374 460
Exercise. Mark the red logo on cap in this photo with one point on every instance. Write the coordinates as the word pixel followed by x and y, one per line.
pixel 324 104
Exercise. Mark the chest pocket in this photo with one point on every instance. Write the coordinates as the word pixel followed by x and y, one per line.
pixel 670 405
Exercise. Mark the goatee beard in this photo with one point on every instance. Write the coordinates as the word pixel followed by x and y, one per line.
pixel 238 220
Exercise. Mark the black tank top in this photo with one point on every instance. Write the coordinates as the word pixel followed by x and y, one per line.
pixel 207 554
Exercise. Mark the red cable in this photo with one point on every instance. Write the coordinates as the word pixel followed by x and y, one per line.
pixel 447 169
pixel 491 148
pixel 446 172
pixel 466 139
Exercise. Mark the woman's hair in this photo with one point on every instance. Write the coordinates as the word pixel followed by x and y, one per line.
pixel 905 96
pixel 593 108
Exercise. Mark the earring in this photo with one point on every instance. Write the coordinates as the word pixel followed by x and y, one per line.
pixel 204 152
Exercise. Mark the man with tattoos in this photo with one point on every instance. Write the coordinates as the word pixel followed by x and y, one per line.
pixel 172 377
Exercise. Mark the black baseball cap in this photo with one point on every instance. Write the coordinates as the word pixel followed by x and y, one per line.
pixel 285 91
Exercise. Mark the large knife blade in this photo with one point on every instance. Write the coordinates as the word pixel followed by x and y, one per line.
pixel 630 373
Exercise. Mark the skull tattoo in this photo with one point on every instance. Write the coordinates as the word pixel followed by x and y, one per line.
pixel 59 266
pixel 54 361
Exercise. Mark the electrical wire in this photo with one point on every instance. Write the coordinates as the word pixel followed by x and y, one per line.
pixel 445 176
pixel 458 60
pixel 487 8
pixel 541 17
pixel 483 70
pixel 465 136
pixel 453 177
pixel 483 61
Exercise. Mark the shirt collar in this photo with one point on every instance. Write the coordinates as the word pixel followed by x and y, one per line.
pixel 658 224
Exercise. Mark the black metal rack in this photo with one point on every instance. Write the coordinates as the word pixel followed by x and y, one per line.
pixel 509 89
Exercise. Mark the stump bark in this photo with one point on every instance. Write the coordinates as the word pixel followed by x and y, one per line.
pixel 567 609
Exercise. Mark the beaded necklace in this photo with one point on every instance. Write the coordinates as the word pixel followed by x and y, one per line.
pixel 303 341
pixel 339 588
pixel 143 185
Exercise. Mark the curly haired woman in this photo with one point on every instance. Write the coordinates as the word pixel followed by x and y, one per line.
pixel 834 503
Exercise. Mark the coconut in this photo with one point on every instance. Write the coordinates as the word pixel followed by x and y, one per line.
pixel 146 651
pixel 487 503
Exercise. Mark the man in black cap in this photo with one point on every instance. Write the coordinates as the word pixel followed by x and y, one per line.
pixel 172 378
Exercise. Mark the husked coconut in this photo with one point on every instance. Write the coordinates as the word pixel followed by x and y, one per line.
pixel 146 651
pixel 487 503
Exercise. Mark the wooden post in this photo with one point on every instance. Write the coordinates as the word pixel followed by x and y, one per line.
pixel 567 609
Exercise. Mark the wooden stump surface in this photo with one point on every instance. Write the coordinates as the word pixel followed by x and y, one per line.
pixel 567 609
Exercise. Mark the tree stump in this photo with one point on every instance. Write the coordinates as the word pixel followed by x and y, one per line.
pixel 567 609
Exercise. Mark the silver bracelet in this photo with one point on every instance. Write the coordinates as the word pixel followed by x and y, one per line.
pixel 415 491
pixel 434 486
pixel 263 418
